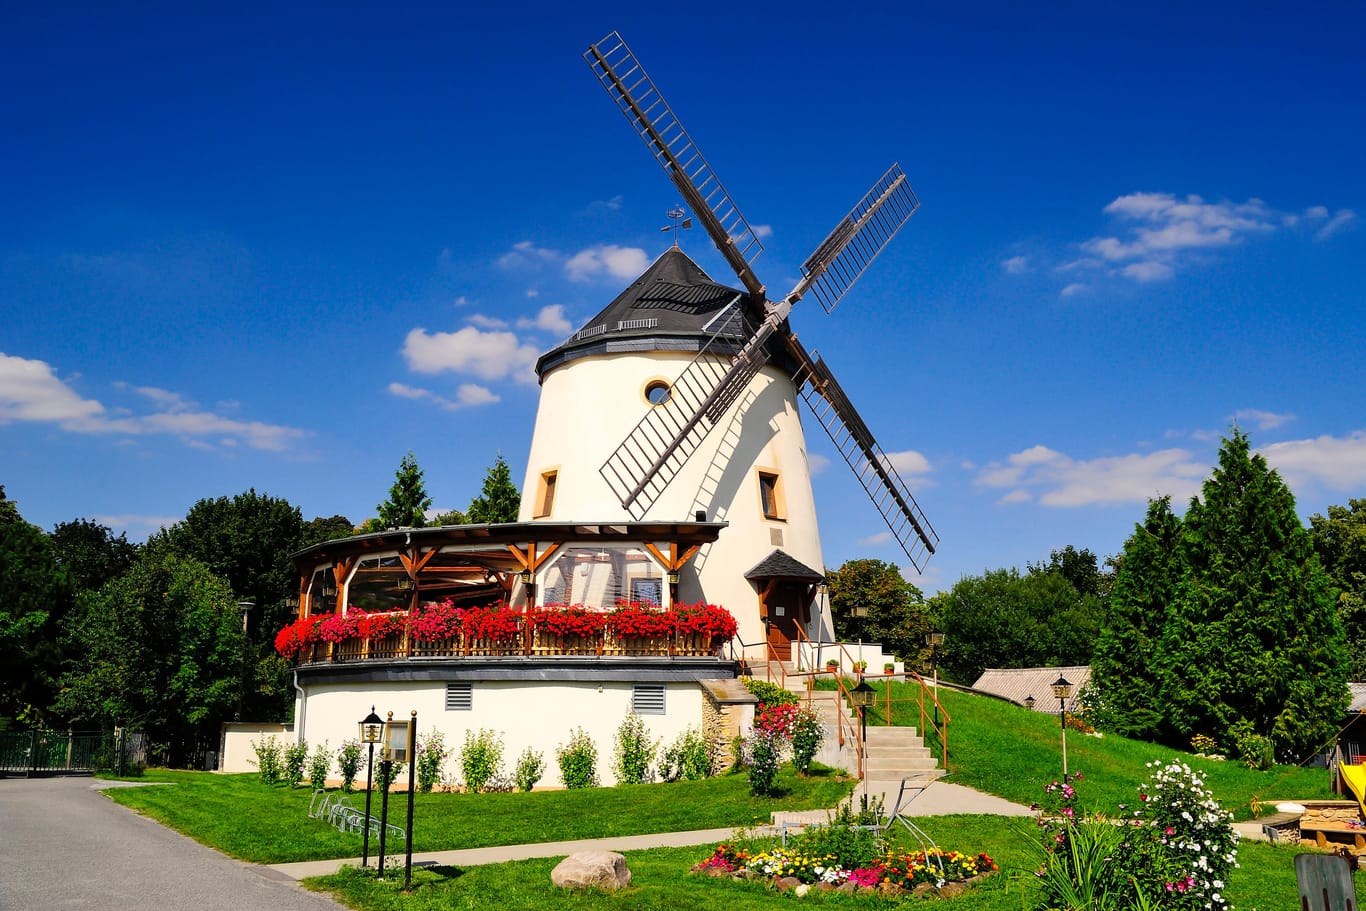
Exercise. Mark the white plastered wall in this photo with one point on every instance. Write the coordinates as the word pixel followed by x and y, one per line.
pixel 590 404
pixel 536 714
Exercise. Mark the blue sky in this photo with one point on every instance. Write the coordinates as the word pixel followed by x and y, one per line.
pixel 280 248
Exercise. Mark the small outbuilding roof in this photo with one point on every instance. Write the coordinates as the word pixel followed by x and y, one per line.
pixel 1018 683
pixel 779 565
pixel 1358 697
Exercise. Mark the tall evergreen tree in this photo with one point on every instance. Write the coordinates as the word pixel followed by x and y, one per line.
pixel 498 500
pixel 1253 638
pixel 408 501
pixel 1145 585
pixel 1340 542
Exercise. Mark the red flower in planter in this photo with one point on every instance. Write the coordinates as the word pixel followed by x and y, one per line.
pixel 702 619
pixel 297 636
pixel 643 620
pixel 495 621
pixel 569 620
pixel 436 622
pixel 379 625
pixel 338 627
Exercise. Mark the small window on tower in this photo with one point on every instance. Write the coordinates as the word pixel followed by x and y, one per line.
pixel 657 392
pixel 771 495
pixel 545 497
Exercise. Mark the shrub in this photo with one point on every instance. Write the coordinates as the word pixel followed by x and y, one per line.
pixel 431 757
pixel 769 693
pixel 269 759
pixel 296 756
pixel 1255 750
pixel 807 736
pixel 481 759
pixel 764 747
pixel 319 766
pixel 348 764
pixel 578 761
pixel 384 780
pixel 1203 743
pixel 688 758
pixel 1188 848
pixel 635 752
pixel 530 768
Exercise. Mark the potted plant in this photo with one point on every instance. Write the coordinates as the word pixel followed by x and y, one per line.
pixel 889 668
pixel 860 666
pixel 832 665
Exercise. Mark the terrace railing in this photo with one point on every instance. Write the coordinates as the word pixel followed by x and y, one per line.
pixel 539 643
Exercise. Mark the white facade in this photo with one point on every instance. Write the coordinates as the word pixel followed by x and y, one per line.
pixel 590 404
pixel 526 714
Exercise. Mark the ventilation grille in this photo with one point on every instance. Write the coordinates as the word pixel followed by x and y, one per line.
pixel 459 697
pixel 648 699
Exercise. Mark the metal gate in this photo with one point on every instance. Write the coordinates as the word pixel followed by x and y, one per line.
pixel 56 752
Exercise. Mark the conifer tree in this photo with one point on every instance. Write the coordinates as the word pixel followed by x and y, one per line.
pixel 1144 585
pixel 408 501
pixel 498 500
pixel 1340 542
pixel 1252 639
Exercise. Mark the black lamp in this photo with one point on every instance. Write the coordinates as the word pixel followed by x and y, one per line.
pixel 371 733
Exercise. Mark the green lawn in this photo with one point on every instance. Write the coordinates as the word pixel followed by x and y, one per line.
pixel 241 817
pixel 994 746
pixel 1003 749
pixel 1265 880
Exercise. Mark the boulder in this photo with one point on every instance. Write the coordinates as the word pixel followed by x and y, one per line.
pixel 592 870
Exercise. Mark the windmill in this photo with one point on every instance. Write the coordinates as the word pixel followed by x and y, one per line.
pixel 645 462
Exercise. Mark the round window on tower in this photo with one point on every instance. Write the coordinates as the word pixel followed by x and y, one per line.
pixel 657 392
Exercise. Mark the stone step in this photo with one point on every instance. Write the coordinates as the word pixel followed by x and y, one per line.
pixel 878 764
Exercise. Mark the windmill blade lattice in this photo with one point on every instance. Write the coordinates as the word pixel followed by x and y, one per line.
pixel 626 81
pixel 860 236
pixel 657 448
pixel 880 479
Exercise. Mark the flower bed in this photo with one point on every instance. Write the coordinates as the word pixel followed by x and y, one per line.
pixel 891 872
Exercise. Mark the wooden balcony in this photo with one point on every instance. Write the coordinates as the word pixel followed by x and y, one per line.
pixel 538 644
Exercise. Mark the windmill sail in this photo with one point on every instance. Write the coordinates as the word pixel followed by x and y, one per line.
pixel 657 448
pixel 857 240
pixel 874 470
pixel 625 79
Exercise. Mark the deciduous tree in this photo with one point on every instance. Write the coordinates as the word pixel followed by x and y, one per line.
pixel 162 650
pixel 896 615
pixel 91 553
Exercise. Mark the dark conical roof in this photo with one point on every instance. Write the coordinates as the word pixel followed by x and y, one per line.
pixel 673 306
pixel 782 565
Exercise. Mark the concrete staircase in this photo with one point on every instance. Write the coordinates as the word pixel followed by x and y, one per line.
pixel 893 753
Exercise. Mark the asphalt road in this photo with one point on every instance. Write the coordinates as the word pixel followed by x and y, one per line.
pixel 64 845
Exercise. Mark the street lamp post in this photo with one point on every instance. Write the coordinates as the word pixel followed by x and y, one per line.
pixel 1062 688
pixel 246 608
pixel 862 696
pixel 371 730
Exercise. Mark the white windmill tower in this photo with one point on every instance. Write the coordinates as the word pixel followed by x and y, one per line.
pixel 678 402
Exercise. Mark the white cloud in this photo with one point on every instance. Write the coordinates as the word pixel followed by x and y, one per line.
pixel 607 260
pixel 881 537
pixel 549 319
pixel 1148 271
pixel 532 292
pixel 1338 463
pixel 1016 265
pixel 486 322
pixel 1341 221
pixel 911 465
pixel 133 523
pixel 816 463
pixel 31 391
pixel 1058 480
pixel 611 205
pixel 488 355
pixel 1073 289
pixel 1262 420
pixel 468 395
pixel 526 255
pixel 461 301
pixel 763 232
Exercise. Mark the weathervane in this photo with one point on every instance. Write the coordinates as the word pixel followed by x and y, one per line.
pixel 676 215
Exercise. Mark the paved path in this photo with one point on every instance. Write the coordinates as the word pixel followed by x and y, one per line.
pixel 63 845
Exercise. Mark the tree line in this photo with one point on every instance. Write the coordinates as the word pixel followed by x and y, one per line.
pixel 97 631
pixel 1234 621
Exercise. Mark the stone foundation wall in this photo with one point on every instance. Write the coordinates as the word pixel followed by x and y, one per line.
pixel 727 713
